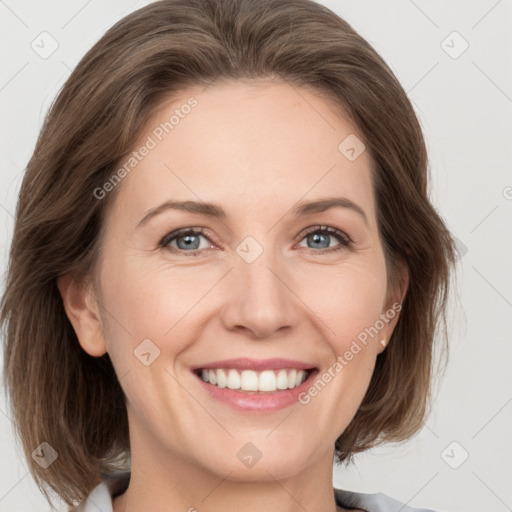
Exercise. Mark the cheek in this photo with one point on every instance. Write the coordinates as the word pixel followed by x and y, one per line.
pixel 146 328
pixel 347 299
pixel 155 302
pixel 347 303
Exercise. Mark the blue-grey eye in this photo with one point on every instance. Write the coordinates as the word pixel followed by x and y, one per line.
pixel 186 240
pixel 320 238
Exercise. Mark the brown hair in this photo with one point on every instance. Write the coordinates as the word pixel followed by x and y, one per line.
pixel 61 395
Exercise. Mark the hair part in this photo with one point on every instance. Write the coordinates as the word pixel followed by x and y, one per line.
pixel 61 395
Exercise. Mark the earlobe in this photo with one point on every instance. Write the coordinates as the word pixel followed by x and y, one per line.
pixel 382 346
pixel 82 310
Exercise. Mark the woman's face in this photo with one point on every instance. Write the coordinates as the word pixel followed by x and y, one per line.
pixel 262 281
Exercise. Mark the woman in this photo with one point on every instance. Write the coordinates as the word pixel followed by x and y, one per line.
pixel 225 268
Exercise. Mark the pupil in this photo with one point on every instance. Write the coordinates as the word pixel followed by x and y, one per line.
pixel 188 239
pixel 317 237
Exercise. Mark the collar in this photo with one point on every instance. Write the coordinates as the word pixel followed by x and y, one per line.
pixel 115 484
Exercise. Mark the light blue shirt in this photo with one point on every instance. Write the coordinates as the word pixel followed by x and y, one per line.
pixel 100 499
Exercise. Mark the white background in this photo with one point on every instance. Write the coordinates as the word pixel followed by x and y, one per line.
pixel 465 107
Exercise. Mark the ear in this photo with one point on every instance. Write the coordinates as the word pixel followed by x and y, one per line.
pixel 82 310
pixel 393 305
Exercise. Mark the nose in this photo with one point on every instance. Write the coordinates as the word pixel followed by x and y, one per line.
pixel 260 297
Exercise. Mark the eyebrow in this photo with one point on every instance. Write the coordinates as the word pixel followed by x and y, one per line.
pixel 216 211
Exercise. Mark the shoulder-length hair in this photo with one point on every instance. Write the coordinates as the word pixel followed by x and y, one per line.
pixel 61 395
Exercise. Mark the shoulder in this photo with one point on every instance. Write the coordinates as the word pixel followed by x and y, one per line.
pixel 102 495
pixel 375 502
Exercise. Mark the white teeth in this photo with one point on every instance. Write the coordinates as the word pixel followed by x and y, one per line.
pixel 249 380
pixel 292 377
pixel 222 380
pixel 233 379
pixel 267 381
pixel 282 380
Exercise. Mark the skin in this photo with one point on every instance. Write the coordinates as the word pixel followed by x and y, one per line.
pixel 255 149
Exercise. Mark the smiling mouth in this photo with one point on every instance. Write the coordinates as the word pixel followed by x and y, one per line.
pixel 250 381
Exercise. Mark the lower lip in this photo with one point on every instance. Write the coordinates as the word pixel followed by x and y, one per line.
pixel 256 401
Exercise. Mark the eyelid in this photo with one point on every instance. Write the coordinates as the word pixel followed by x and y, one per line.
pixel 328 229
pixel 345 241
pixel 182 231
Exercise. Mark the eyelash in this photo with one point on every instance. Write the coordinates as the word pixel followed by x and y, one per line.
pixel 344 241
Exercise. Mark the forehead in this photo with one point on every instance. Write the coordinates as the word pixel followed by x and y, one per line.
pixel 247 144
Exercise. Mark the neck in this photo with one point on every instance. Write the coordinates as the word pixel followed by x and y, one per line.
pixel 161 482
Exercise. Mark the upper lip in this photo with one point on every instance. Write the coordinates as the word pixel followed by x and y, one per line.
pixel 256 364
